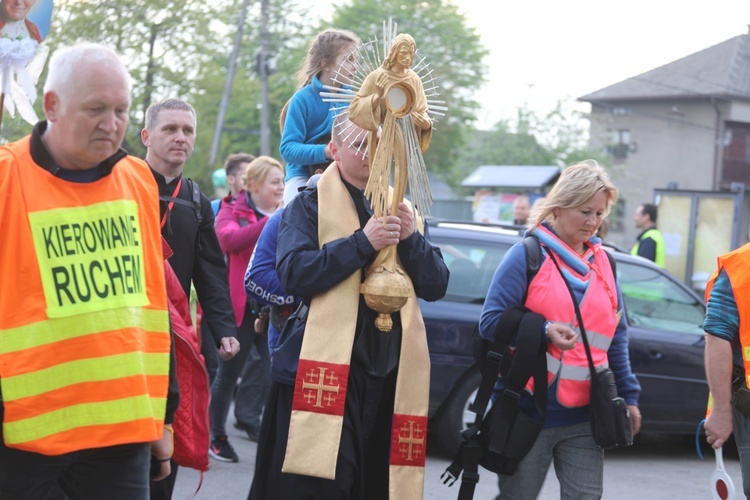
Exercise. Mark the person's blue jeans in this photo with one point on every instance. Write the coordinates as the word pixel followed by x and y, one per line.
pixel 253 389
pixel 222 389
pixel 115 473
pixel 742 438
pixel 579 465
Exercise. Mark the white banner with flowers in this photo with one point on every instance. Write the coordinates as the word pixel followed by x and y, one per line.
pixel 19 75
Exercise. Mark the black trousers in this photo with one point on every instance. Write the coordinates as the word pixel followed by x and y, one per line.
pixel 362 466
pixel 162 490
pixel 114 473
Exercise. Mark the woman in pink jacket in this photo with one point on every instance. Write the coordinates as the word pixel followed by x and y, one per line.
pixel 238 226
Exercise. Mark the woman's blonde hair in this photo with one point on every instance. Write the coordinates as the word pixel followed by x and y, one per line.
pixel 576 185
pixel 258 169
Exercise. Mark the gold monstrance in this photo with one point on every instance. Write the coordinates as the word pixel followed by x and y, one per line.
pixel 392 104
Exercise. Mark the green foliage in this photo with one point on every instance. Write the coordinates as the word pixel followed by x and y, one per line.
pixel 164 43
pixel 560 137
pixel 243 120
pixel 453 50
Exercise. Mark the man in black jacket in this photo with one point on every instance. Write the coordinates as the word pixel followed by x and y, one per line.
pixel 366 391
pixel 187 222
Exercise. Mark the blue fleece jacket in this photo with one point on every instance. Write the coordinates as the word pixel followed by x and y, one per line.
pixel 307 130
pixel 261 281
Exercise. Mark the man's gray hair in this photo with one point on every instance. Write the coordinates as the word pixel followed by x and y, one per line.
pixel 152 113
pixel 64 63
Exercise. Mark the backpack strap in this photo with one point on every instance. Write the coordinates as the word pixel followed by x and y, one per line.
pixel 196 193
pixel 529 360
pixel 195 200
pixel 496 353
pixel 533 251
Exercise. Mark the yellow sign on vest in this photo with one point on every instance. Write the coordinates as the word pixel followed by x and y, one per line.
pixel 90 258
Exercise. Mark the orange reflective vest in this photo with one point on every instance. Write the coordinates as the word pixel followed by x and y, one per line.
pixel 735 263
pixel 84 330
pixel 548 295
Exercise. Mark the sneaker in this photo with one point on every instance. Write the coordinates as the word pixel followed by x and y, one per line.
pixel 252 433
pixel 220 449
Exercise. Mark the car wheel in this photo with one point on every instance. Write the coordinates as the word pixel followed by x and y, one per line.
pixel 455 415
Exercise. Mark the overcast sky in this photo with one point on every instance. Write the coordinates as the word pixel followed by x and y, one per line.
pixel 542 51
pixel 546 50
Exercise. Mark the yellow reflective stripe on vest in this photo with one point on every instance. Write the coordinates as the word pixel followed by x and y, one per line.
pixel 58 329
pixel 746 354
pixel 84 370
pixel 109 412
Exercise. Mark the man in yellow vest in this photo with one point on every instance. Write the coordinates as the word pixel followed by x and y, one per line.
pixel 84 329
pixel 727 356
pixel 650 244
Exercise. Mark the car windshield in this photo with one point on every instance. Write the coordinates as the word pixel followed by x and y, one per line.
pixel 472 265
pixel 654 301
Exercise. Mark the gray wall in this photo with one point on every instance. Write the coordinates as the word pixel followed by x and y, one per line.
pixel 673 141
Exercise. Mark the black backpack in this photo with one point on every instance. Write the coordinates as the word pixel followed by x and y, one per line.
pixel 195 199
pixel 499 440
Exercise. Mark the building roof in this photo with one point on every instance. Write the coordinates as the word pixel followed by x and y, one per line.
pixel 522 177
pixel 719 71
pixel 441 190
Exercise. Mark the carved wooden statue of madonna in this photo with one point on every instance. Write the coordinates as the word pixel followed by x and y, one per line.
pixel 392 100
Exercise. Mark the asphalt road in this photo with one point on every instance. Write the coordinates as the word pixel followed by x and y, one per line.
pixel 653 469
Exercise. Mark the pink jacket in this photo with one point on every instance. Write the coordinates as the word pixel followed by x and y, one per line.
pixel 238 229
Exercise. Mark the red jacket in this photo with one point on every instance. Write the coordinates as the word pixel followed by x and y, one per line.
pixel 238 227
pixel 191 425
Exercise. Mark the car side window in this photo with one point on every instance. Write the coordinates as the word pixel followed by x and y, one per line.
pixel 472 265
pixel 654 300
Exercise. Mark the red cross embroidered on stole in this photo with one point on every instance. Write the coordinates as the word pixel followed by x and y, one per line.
pixel 320 387
pixel 408 440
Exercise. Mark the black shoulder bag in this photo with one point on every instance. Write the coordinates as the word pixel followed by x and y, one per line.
pixel 611 424
pixel 500 439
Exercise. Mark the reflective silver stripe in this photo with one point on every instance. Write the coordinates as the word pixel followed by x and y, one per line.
pixel 553 364
pixel 597 340
pixel 575 373
pixel 557 369
pixel 581 373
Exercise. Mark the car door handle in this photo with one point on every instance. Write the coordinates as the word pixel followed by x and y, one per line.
pixel 654 350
